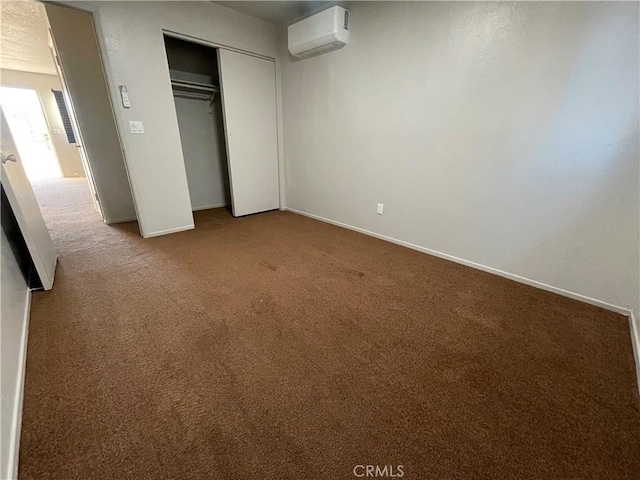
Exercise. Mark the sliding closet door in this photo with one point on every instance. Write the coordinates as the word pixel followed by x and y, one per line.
pixel 248 86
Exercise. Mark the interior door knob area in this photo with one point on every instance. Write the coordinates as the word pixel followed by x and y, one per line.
pixel 8 158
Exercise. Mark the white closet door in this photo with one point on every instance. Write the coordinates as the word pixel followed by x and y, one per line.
pixel 248 86
pixel 26 209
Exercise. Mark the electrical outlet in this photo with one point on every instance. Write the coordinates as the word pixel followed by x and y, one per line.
pixel 380 208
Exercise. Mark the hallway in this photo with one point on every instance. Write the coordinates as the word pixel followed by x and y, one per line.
pixel 68 211
pixel 276 346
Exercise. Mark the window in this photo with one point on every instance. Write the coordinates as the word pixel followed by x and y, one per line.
pixel 64 113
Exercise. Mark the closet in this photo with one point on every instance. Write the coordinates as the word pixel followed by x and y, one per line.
pixel 196 92
pixel 226 108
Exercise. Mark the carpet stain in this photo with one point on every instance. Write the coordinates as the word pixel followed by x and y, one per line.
pixel 269 266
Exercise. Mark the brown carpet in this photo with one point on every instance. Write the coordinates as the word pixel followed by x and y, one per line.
pixel 279 347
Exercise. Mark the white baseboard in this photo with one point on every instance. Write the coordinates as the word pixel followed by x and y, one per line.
pixel 14 449
pixel 484 268
pixel 207 207
pixel 634 324
pixel 170 230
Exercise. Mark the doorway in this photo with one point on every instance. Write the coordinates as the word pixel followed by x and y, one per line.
pixel 30 131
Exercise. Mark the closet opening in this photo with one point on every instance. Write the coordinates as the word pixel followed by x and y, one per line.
pixel 195 81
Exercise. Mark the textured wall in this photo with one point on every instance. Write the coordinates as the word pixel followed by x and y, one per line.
pixel 504 134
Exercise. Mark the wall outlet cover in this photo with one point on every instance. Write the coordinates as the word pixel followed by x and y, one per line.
pixel 136 127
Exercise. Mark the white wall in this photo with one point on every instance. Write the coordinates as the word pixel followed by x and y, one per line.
pixel 130 34
pixel 203 147
pixel 504 134
pixel 68 156
pixel 14 298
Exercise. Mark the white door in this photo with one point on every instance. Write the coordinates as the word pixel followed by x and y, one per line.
pixel 248 86
pixel 25 207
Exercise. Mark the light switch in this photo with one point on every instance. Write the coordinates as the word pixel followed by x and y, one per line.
pixel 124 93
pixel 56 131
pixel 136 127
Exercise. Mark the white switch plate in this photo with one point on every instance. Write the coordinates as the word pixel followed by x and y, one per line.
pixel 136 127
pixel 380 208
pixel 56 131
pixel 124 93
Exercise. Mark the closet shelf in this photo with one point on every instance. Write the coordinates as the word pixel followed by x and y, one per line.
pixel 195 86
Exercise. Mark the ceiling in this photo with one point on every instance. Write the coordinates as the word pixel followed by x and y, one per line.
pixel 24 43
pixel 275 12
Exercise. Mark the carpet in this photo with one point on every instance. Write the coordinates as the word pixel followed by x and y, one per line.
pixel 278 347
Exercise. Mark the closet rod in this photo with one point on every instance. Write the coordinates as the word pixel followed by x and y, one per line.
pixel 192 95
pixel 208 88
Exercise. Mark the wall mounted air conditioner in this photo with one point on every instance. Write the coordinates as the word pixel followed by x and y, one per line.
pixel 320 33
